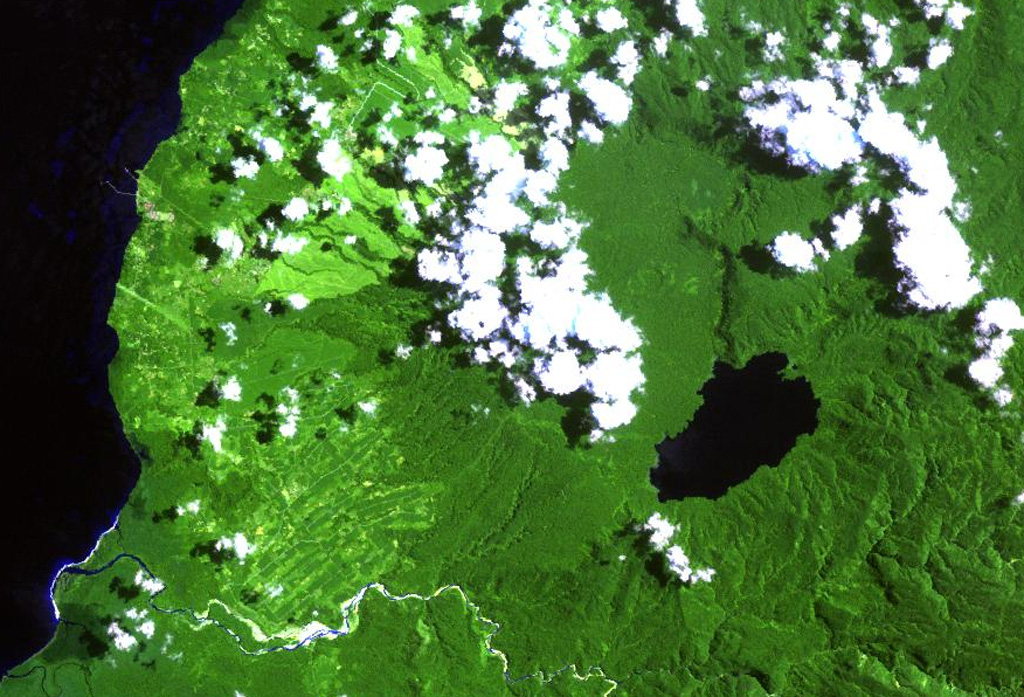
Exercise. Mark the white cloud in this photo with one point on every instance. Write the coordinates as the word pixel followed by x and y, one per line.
pixel 483 259
pixel 190 507
pixel 931 252
pixel 627 59
pixel 611 415
pixel 241 546
pixel 881 47
pixel 613 376
pixel 539 184
pixel 412 216
pixel 848 74
pixel 326 57
pixel 230 242
pixel 554 301
pixel 590 132
pixel 403 15
pixel 271 146
pixel 689 14
pixel 538 36
pixel 773 42
pixel 679 564
pixel 986 371
pixel 611 102
pixel 999 315
pixel 392 43
pixel 661 42
pixel 495 210
pixel 933 8
pixel 468 14
pixel 997 319
pixel 214 434
pixel 609 19
pixel 289 408
pixel 924 162
pixel 122 639
pixel 956 14
pixel 929 248
pixel 792 250
pixel 555 155
pixel 148 583
pixel 289 244
pixel 809 116
pixel 506 94
pixel 232 389
pixel 438 265
pixel 245 167
pixel 557 234
pixel 661 531
pixel 425 165
pixel 525 390
pixel 230 332
pixel 333 160
pixel 939 53
pixel 298 301
pixel 600 325
pixel 816 125
pixel 818 128
pixel 561 373
pixel 296 209
pixel 554 108
pixel 847 228
pixel 480 316
pixel 492 154
pixel 905 75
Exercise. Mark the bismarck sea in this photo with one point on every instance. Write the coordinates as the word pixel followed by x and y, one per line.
pixel 90 89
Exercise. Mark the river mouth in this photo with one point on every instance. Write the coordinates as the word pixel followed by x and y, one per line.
pixel 751 417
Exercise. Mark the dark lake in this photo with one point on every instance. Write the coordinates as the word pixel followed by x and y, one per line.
pixel 751 417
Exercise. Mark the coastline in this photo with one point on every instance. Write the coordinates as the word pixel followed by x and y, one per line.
pixel 74 212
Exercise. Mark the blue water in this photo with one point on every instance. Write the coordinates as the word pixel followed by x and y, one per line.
pixel 750 418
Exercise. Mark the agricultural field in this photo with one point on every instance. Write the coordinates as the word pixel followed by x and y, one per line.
pixel 418 289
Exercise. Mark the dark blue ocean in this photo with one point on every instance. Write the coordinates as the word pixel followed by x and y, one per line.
pixel 89 91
